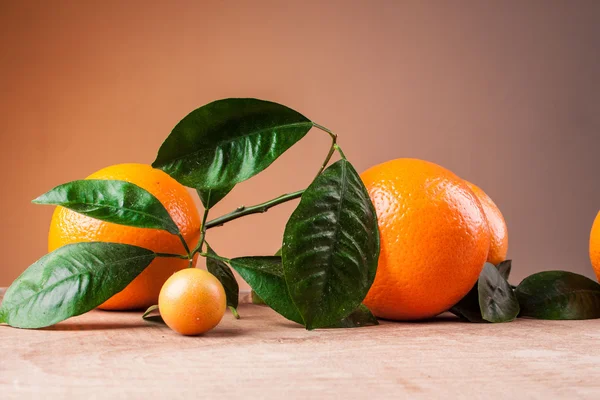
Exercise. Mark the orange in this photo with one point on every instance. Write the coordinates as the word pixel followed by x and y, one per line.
pixel 70 227
pixel 595 246
pixel 192 301
pixel 434 239
pixel 497 225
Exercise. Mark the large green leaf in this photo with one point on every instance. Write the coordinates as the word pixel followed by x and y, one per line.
pixel 559 295
pixel 265 277
pixel 228 141
pixel 119 202
pixel 497 301
pixel 331 247
pixel 71 281
pixel 223 273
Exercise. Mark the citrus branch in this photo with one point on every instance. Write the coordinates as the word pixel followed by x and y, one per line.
pixel 185 245
pixel 331 149
pixel 259 208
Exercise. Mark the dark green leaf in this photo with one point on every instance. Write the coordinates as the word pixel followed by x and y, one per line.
pixel 497 301
pixel 265 277
pixel 210 197
pixel 331 247
pixel 228 141
pixel 118 202
pixel 468 307
pixel 223 273
pixel 279 252
pixel 71 281
pixel 504 268
pixel 362 316
pixel 559 295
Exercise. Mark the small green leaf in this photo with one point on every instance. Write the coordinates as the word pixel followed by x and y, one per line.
pixel 118 202
pixel 150 310
pixel 265 277
pixel 210 197
pixel 70 281
pixel 228 141
pixel 504 268
pixel 468 307
pixel 362 316
pixel 559 295
pixel 223 273
pixel 331 247
pixel 497 301
pixel 156 317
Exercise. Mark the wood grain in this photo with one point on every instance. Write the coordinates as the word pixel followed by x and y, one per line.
pixel 118 355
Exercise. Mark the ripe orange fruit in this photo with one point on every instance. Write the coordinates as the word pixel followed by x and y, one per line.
pixel 70 227
pixel 192 301
pixel 434 239
pixel 595 246
pixel 497 225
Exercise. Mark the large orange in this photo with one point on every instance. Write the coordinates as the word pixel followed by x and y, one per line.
pixel 434 239
pixel 497 225
pixel 595 246
pixel 70 227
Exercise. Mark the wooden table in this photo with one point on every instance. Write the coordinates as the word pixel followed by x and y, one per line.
pixel 118 355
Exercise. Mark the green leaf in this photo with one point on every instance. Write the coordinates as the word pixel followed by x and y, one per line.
pixel 210 197
pixel 152 314
pixel 118 202
pixel 149 311
pixel 559 295
pixel 497 301
pixel 504 268
pixel 223 273
pixel 70 281
pixel 331 247
pixel 228 141
pixel 468 307
pixel 360 317
pixel 265 277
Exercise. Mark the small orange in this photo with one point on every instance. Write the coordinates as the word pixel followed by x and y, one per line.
pixel 497 225
pixel 192 301
pixel 595 246
pixel 434 239
pixel 70 227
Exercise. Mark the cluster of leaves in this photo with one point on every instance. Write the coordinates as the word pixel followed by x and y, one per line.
pixel 330 245
pixel 544 295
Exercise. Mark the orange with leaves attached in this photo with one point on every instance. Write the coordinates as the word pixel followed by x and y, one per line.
pixel 192 301
pixel 434 239
pixel 70 227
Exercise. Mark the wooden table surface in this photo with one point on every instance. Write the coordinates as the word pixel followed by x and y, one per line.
pixel 118 355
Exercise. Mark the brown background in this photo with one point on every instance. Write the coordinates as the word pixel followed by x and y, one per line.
pixel 505 95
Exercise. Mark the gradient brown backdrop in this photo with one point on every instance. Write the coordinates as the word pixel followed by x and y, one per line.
pixel 506 95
